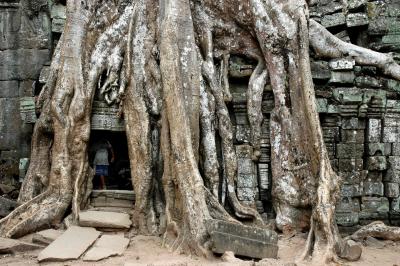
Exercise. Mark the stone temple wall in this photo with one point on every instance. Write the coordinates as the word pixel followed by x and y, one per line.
pixel 25 41
pixel 359 107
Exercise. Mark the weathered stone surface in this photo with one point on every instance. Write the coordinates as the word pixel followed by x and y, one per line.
pixel 349 150
pixel 105 117
pixel 6 206
pixel 392 190
pixel 391 134
pixel 70 245
pixel 342 77
pixel 107 246
pixel 373 242
pixel 352 135
pixel 373 189
pixel 349 165
pixel 57 25
pixel 352 251
pixel 8 88
pixel 353 123
pixel 347 218
pixel 379 149
pixel 374 130
pixel 45 237
pixel 356 4
pixel 374 204
pixel 101 219
pixel 357 20
pixel 377 163
pixel 320 70
pixel 334 20
pixel 12 246
pixel 242 240
pixel 27 109
pixel 348 204
pixel 22 63
pixel 342 64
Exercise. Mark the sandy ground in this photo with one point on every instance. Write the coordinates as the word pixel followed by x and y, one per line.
pixel 146 250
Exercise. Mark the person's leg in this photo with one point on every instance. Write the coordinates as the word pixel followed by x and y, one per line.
pixel 102 182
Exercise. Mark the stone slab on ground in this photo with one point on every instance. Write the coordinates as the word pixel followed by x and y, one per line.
pixel 70 245
pixel 242 240
pixel 45 237
pixel 102 219
pixel 107 246
pixel 8 245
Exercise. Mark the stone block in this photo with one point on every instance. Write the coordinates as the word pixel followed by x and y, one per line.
pixel 12 246
pixel 376 163
pixel 374 176
pixel 357 20
pixel 391 122
pixel 242 240
pixel 348 204
pixel 334 20
pixel 10 126
pixel 373 189
pixel 395 205
pixel 102 219
pixel 44 74
pixel 342 77
pixel 374 205
pixel 243 133
pixel 8 89
pixel 26 88
pixel 351 190
pixel 379 149
pixel 246 194
pixel 27 110
pixel 57 25
pixel 350 165
pixel 369 217
pixel 331 134
pixel 353 123
pixel 392 175
pixel 352 135
pixel 263 175
pixel 391 134
pixel 356 4
pixel 58 11
pixel 367 82
pixel 396 149
pixel 392 190
pixel 342 64
pixel 347 218
pixel 349 150
pixel 105 117
pixel 22 64
pixel 394 162
pixel 374 132
pixel 320 70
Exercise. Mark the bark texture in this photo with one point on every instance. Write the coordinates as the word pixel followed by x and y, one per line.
pixel 166 64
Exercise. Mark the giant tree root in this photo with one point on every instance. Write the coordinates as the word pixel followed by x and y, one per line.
pixel 378 230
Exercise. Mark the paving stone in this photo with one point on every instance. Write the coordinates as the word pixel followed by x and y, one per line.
pixel 45 237
pixel 107 246
pixel 8 246
pixel 242 240
pixel 101 219
pixel 70 245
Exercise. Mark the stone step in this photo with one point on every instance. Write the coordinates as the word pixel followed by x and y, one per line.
pixel 112 198
pixel 107 246
pixel 106 220
pixel 242 240
pixel 70 245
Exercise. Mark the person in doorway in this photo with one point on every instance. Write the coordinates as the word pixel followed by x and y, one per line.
pixel 101 161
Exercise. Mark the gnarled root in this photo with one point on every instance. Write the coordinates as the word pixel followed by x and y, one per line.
pixel 379 230
pixel 41 212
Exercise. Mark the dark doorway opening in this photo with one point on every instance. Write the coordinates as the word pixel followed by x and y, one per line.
pixel 119 177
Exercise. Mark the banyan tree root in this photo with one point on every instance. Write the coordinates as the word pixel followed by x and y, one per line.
pixel 378 230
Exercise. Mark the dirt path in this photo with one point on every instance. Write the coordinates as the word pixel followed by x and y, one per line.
pixel 147 250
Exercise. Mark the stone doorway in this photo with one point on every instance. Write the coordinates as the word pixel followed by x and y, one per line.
pixel 119 177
